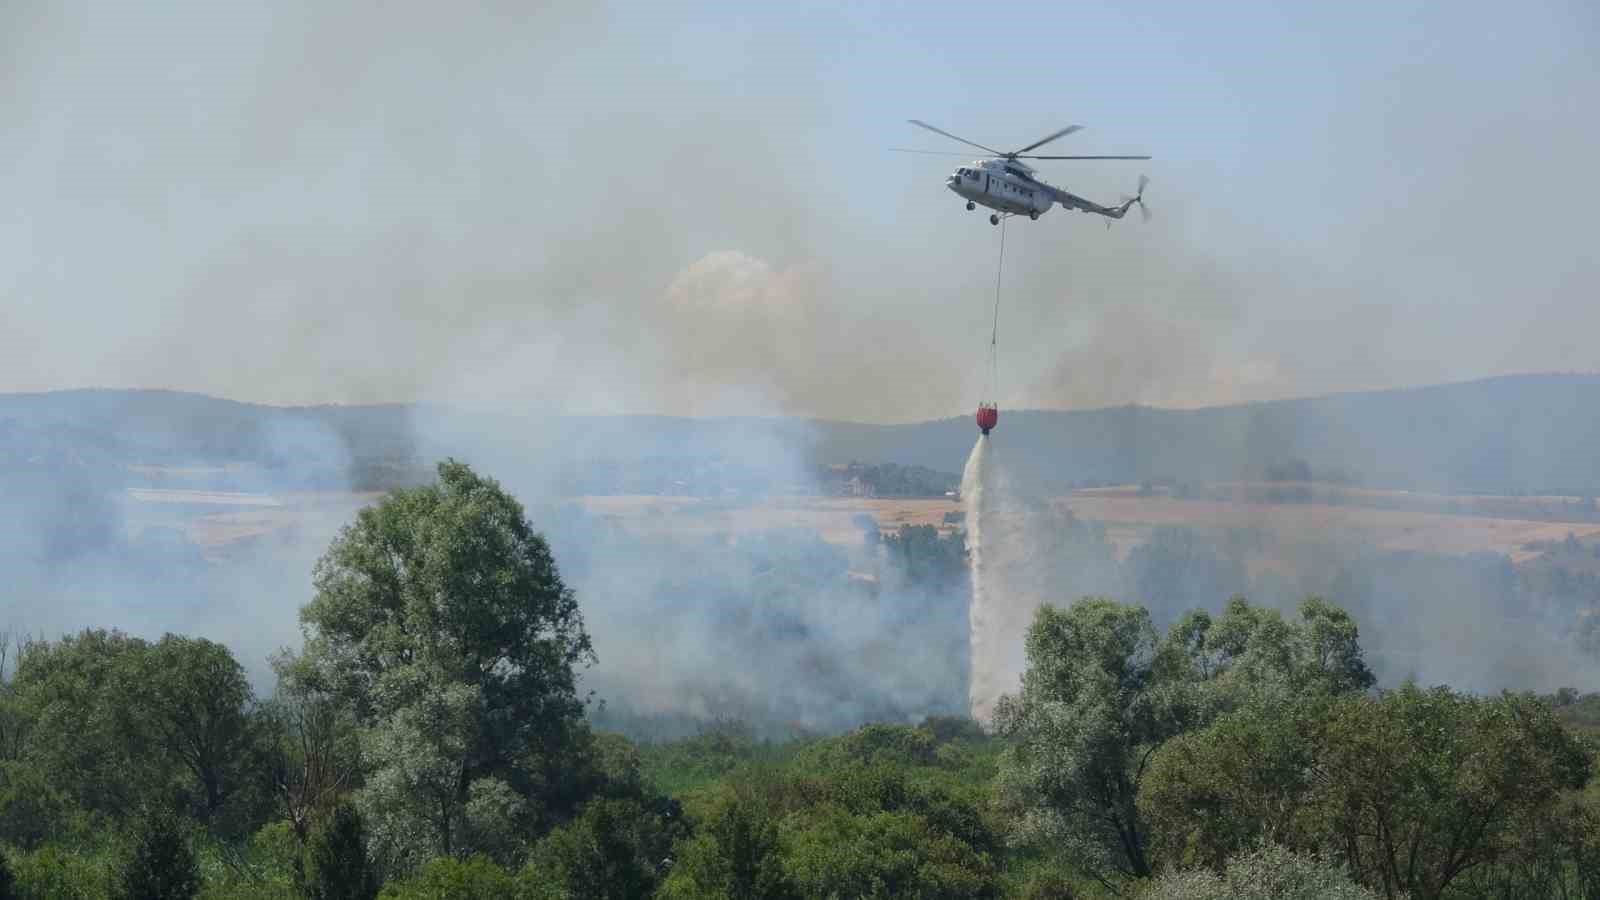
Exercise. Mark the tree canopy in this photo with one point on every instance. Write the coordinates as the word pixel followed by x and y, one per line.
pixel 441 620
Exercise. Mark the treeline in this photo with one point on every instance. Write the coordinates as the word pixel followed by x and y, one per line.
pixel 884 480
pixel 430 739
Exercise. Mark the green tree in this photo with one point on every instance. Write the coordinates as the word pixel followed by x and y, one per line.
pixel 85 728
pixel 32 809
pixel 14 723
pixel 1091 711
pixel 1419 786
pixel 160 864
pixel 848 828
pixel 734 855
pixel 336 865
pixel 830 851
pixel 55 873
pixel 441 619
pixel 1212 794
pixel 1251 651
pixel 927 558
pixel 195 698
pixel 1101 696
pixel 8 881
pixel 614 850
pixel 116 723
pixel 1416 789
pixel 445 878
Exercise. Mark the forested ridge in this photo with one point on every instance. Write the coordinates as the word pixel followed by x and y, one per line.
pixel 432 738
pixel 1518 434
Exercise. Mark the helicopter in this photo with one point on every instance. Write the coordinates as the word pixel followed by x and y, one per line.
pixel 1009 186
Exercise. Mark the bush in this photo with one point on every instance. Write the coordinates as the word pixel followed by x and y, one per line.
pixel 160 864
pixel 265 867
pixel 336 866
pixel 446 878
pixel 614 848
pixel 31 809
pixel 51 873
pixel 1268 872
pixel 1048 885
pixel 734 853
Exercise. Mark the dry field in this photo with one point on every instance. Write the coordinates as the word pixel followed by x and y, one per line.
pixel 228 523
pixel 1126 517
pixel 219 523
pixel 832 517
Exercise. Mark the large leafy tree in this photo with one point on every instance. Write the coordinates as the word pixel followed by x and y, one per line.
pixel 1420 786
pixel 1416 789
pixel 440 614
pixel 85 728
pixel 119 722
pixel 1211 794
pixel 197 702
pixel 1102 694
pixel 1090 710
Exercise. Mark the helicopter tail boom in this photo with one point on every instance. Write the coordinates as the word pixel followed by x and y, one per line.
pixel 1120 210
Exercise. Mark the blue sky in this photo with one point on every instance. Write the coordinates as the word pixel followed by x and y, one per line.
pixel 690 208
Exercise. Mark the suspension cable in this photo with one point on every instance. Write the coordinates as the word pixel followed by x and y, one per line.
pixel 994 334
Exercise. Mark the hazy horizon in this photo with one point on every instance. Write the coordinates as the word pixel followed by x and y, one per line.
pixel 468 406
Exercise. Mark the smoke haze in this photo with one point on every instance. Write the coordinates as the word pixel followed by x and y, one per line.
pixel 519 210
pixel 663 208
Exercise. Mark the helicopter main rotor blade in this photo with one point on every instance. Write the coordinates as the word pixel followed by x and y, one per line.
pixel 954 138
pixel 1040 143
pixel 1021 157
pixel 931 152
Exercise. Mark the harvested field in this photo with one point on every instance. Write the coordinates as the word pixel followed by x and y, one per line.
pixel 832 517
pixel 1127 519
pixel 1126 516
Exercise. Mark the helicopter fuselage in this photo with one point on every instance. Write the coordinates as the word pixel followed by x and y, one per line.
pixel 1002 185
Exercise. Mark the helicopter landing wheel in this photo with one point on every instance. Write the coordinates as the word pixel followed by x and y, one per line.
pixel 994 220
pixel 1034 216
pixel 971 206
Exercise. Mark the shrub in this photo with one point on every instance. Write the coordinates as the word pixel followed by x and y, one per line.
pixel 1268 872
pixel 447 878
pixel 51 873
pixel 160 864
pixel 336 865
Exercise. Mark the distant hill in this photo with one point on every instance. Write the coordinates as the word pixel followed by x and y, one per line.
pixel 1514 434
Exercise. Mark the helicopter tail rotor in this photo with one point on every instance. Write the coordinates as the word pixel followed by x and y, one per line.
pixel 1138 200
